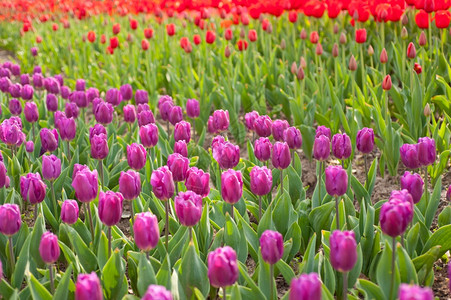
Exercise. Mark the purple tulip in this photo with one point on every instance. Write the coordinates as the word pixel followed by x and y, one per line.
pixel 96 130
pixel 52 85
pixel 181 148
pixel 129 113
pixel 1 270
pixel 91 94
pixel 29 146
pixel 32 188
pixel 321 148
pixel 10 220
pixel 263 126
pixel 426 151
pixel 51 167
pixel 27 92
pixel 411 292
pixel 141 97
pixel 65 92
pixel 49 248
pixel 148 135
pixel 104 112
pixel 15 90
pixel 80 85
pixel 281 157
pixel 130 184
pixel 136 156
pixel 11 131
pixel 2 174
pixel 227 155
pixel 37 69
pixel 222 267
pixel 182 131
pixel 231 186
pixel 323 130
pixel 157 292
pixel 110 207
pixel 448 193
pixel 343 250
pixel 178 165
pixel 85 183
pixel 146 231
pixel 198 181
pixel 69 211
pixel 188 208
pixel 341 146
pixel 31 112
pixel 250 118
pixel 292 136
pixel 192 108
pixel 15 70
pixel 162 183
pixel 306 287
pixel 271 243
pixel 4 84
pixel 413 183
pixel 99 146
pixel 261 180
pixel 210 126
pixel 278 128
pixel 263 149
pixel 175 115
pixel 79 98
pixel 51 102
pixel 396 213
pixel 165 105
pixel 67 128
pixel 145 117
pixel 113 96
pixel 88 287
pixel 221 120
pixel 24 79
pixel 126 92
pixel 15 108
pixel 72 110
pixel 336 181
pixel 365 140
pixel 409 156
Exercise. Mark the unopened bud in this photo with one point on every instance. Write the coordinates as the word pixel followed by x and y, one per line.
pixel 269 29
pixel 336 28
pixel 405 19
pixel 303 34
pixel 422 40
pixel 343 39
pixel 294 68
pixel 227 52
pixel 302 62
pixel 404 34
pixel 352 64
pixel 384 56
pixel 319 49
pixel 242 33
pixel 283 44
pixel 427 110
pixel 300 74
pixel 335 50
pixel 370 50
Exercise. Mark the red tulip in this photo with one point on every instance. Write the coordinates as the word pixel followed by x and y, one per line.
pixel 442 19
pixel 411 51
pixel 360 36
pixel 252 35
pixel 54 27
pixel 314 37
pixel 417 68
pixel 386 84
pixel 148 33
pixel 145 45
pixel 210 37
pixel 114 42
pixel 116 28
pixel 196 39
pixel 170 29
pixel 91 36
pixel 293 16
pixel 133 24
pixel 242 45
pixel 422 19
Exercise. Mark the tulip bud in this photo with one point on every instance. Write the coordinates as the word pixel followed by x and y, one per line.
pixel 370 50
pixel 314 37
pixel 319 49
pixel 278 127
pixel 404 19
pixel 188 208
pixel 15 108
pixel 261 180
pixel 306 287
pixel 292 136
pixel 384 56
pixel 386 83
pixel 130 184
pixel 335 50
pixel 31 112
pixel 126 92
pixel 49 140
pixel 178 165
pixel 162 183
pixel 88 287
pixel 396 213
pixel 343 39
pixel 32 188
pixel 303 34
pixel 413 183
pixel 300 74
pixel 281 156
pixel 157 292
pixel 221 120
pixel 80 85
pixel 136 156
pixel 263 126
pixel 271 243
pixel 222 267
pixel 365 140
pixel 411 51
pixel 321 148
pixel 69 211
pixel 10 220
pixel 27 92
pixel 29 146
pixel 409 156
pixel 129 113
pixel 85 183
pixel 262 149
pixel 227 52
pixel 352 63
pixel 51 167
pixel 422 40
pixel 302 63
pixel 341 146
pixel 192 108
pixel 51 102
pixel 231 186
pixel 336 181
pixel 182 131
pixel 336 28
pixel 49 248
pixel 404 33
pixel 146 231
pixel 99 146
pixel 250 118
pixel 294 68
pixel 408 292
pixel 426 151
pixel 180 147
pixel 175 115
pixel 343 250
pixel 110 207
pixel 283 44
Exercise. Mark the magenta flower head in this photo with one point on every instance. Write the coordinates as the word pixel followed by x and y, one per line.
pixel 141 97
pixel 222 267
pixel 96 130
pixel 5 84
pixel 221 120
pixel 99 146
pixel 88 287
pixel 103 112
pixel 292 136
pixel 448 193
pixel 250 118
pixel 323 130
pixel 306 287
pixel 29 146
pixel 15 108
pixel 51 101
pixel 65 92
pixel 409 292
pixel 261 180
pixel 192 108
pixel 271 243
pixel 162 183
pixel 110 207
pixel 181 147
pixel 136 156
pixel 80 85
pixel 178 165
pixel 34 51
pixel 396 213
pixel 227 155
pixel 426 151
pixel 51 167
pixel 145 116
pixel 321 148
pixel 198 181
pixel 24 79
pixel 278 128
pixel 71 110
pixel 148 135
pixel 15 90
pixel 130 184
pixel 341 146
pixel 413 183
pixel 11 131
pixel 67 128
pixel 409 156
pixel 343 250
pixel 175 115
pixel 210 126
pixel 10 220
pixel 144 107
pixel 365 140
pixel 31 112
pixel 281 156
pixel 146 231
pixel 336 181
pixel 85 183
pixel 32 188
pixel 49 248
pixel 69 211
pixel 113 96
pixel 79 98
pixel 157 292
pixel 92 93
pixel 2 174
pixel 262 149
pixel 231 186
pixel 129 113
pixel 27 92
pixel 165 105
pixel 182 131
pixel 126 92
pixel 188 208
pixel 263 126
pixel 49 140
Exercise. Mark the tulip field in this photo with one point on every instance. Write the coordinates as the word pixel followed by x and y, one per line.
pixel 225 149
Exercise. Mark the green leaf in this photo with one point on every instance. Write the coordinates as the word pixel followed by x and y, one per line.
pixel 439 238
pixel 38 291
pixel 62 290
pixel 250 282
pixel 384 273
pixel 87 258
pixel 38 230
pixel 113 275
pixel 235 293
pixel 193 272
pixel 286 271
pixel 21 264
pixel 164 274
pixel 433 203
pixel 102 252
pixel 405 264
pixel 146 274
pixel 320 216
pixel 309 256
pixel 370 290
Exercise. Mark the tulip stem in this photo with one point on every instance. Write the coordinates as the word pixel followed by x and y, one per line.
pixel 366 167
pixel 426 186
pixel 36 211
pixel 68 151
pixel 101 172
pixel 281 181
pixel 319 182
pixel 109 241
pixel 52 285
pixel 363 71
pixel 194 130
pixel 337 213
pixel 55 206
pixel 271 281
pixel 12 259
pixel 225 294
pixel 90 221
pixel 147 255
pixel 259 208
pixel 190 232
pixel 166 225
pixel 345 285
pixel 232 212
pixel 392 283
pixel 132 211
pixel 33 130
pixel 167 129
